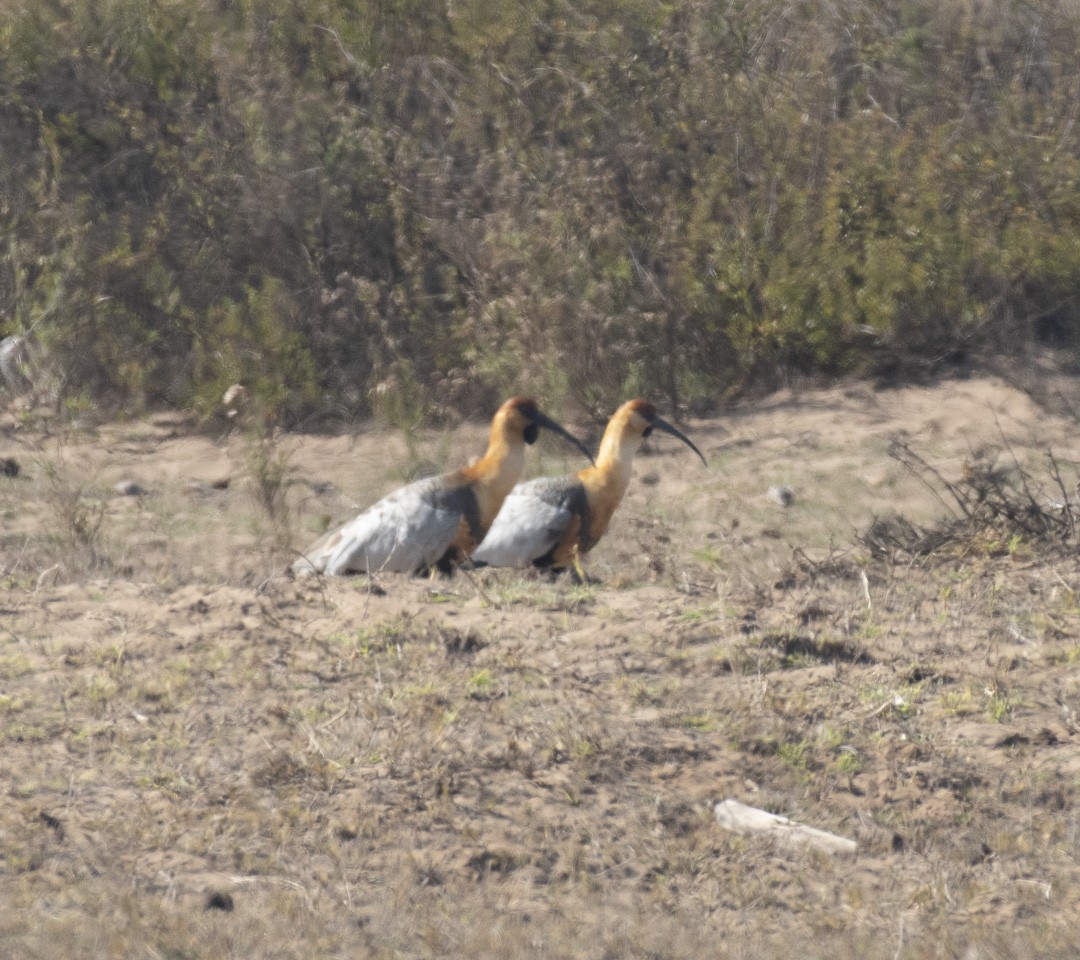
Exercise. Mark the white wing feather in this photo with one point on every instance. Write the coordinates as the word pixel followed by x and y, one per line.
pixel 402 533
pixel 527 526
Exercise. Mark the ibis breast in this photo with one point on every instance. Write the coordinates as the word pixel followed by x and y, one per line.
pixel 534 519
pixel 408 530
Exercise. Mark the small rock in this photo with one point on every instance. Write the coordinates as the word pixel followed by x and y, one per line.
pixel 9 467
pixel 129 488
pixel 53 823
pixel 235 400
pixel 219 900
pixel 784 496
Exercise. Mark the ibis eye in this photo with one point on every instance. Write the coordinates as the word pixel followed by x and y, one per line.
pixel 648 430
pixel 532 431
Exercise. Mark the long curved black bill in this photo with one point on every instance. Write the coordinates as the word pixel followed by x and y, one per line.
pixel 548 423
pixel 661 424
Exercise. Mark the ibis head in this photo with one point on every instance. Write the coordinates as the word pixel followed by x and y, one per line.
pixel 606 482
pixel 520 417
pixel 642 410
pixel 516 423
pixel 628 426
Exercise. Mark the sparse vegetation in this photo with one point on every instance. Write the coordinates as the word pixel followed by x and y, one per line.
pixel 77 506
pixel 266 464
pixel 502 764
pixel 992 510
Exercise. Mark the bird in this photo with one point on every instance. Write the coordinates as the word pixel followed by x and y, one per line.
pixel 437 522
pixel 551 522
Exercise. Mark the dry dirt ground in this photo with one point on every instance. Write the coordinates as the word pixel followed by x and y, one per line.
pixel 202 758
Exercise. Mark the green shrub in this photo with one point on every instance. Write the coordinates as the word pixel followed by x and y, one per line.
pixel 579 201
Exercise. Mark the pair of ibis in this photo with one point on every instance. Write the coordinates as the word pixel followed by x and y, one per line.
pixel 482 512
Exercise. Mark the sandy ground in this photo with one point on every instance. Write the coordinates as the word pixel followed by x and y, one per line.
pixel 202 757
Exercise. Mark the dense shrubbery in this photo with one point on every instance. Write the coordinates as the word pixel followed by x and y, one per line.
pixel 355 205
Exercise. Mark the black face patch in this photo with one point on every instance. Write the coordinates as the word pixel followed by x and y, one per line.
pixel 532 431
pixel 648 430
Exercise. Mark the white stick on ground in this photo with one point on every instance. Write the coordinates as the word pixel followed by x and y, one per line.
pixel 732 815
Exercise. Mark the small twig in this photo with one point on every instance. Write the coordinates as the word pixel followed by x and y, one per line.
pixel 479 589
pixel 281 881
pixel 18 559
pixel 1066 504
pixel 312 742
pixel 334 719
pixel 896 701
pixel 1045 885
pixel 349 58
pixel 1061 580
pixel 902 453
pixel 1032 503
pixel 55 568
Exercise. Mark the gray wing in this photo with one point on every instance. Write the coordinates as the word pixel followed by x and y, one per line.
pixel 407 530
pixel 533 519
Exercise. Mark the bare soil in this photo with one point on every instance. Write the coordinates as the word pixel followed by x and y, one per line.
pixel 202 757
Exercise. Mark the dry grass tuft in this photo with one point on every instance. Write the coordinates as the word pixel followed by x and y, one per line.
pixel 990 509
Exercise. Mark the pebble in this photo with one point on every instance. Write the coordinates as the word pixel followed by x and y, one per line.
pixel 784 496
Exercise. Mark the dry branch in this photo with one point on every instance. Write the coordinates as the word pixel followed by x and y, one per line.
pixel 740 818
pixel 989 503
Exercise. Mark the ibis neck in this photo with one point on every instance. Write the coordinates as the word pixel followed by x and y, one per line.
pixel 502 465
pixel 495 474
pixel 614 463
